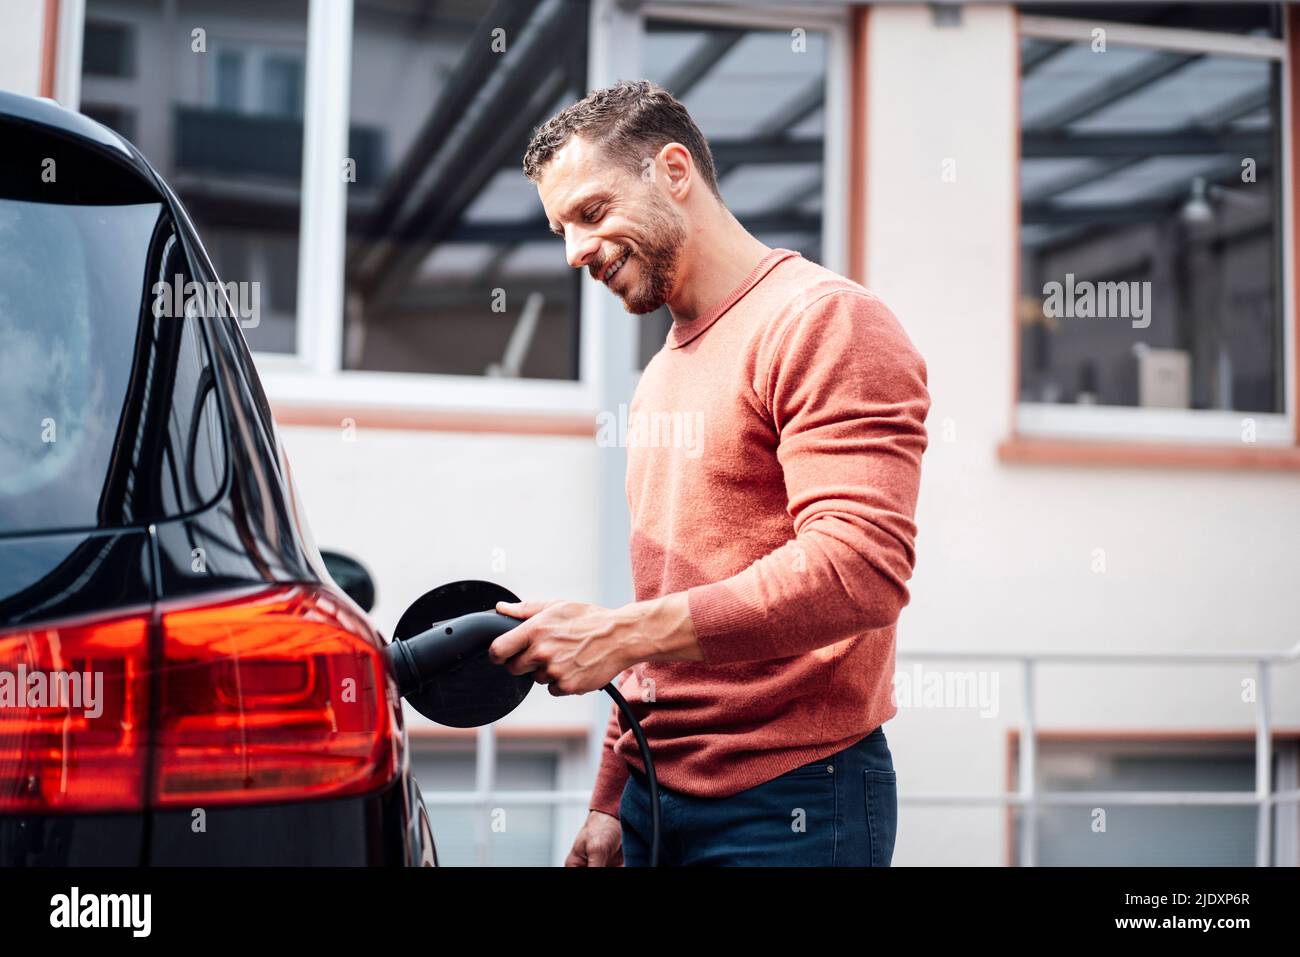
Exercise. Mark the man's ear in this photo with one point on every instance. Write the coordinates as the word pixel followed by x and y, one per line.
pixel 678 169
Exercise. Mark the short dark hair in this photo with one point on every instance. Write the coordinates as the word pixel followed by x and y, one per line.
pixel 630 120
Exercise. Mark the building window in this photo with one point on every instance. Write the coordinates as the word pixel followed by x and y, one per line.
pixel 258 80
pixel 220 114
pixel 108 49
pixel 451 267
pixel 504 835
pixel 1151 228
pixel 228 90
pixel 1123 835
pixel 759 96
pixel 281 89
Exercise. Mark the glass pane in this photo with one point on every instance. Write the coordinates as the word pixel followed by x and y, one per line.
pixel 233 155
pixel 1220 836
pixel 282 83
pixel 108 412
pixel 108 49
pixel 451 267
pixel 72 280
pixel 230 80
pixel 759 98
pixel 1151 224
pixel 517 835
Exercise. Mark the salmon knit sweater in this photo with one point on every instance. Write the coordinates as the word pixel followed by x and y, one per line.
pixel 774 454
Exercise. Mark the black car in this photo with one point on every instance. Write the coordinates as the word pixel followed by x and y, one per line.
pixel 182 682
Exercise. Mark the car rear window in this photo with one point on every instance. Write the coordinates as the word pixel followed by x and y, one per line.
pixel 108 411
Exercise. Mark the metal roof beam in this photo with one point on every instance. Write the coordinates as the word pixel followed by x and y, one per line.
pixel 1185 142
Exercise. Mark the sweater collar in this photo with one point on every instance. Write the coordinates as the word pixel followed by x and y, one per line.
pixel 681 333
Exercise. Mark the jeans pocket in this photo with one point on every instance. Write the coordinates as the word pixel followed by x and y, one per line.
pixel 812 769
pixel 881 789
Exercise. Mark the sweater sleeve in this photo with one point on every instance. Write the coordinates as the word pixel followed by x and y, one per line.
pixel 846 392
pixel 611 776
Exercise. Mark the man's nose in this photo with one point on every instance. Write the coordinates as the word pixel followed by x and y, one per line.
pixel 581 249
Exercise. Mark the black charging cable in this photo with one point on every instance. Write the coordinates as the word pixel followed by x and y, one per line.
pixel 441 654
pixel 649 769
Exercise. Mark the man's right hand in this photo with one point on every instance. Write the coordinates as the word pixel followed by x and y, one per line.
pixel 598 844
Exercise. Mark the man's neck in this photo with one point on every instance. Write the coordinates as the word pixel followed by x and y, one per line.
pixel 715 262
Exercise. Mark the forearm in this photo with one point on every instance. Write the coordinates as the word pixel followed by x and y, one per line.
pixel 660 629
pixel 839 578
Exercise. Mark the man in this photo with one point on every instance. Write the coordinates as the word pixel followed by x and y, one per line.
pixel 770 561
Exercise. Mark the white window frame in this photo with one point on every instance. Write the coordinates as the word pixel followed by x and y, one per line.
pixel 568 798
pixel 1180 426
pixel 251 70
pixel 818 18
pixel 609 340
pixel 313 372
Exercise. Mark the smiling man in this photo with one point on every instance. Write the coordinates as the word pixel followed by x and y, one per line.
pixel 771 566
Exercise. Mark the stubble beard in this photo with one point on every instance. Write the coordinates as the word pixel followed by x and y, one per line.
pixel 658 255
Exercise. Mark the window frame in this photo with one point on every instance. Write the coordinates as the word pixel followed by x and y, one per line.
pixel 1154 743
pixel 312 377
pixel 252 77
pixel 564 743
pixel 1047 432
pixel 132 52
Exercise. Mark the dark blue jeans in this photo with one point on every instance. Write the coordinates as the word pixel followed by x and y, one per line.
pixel 841 811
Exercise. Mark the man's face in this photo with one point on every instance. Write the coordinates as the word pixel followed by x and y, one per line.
pixel 625 232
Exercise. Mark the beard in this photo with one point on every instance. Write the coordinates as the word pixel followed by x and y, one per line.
pixel 658 251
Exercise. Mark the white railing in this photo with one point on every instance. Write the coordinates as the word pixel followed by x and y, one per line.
pixel 1030 799
pixel 1027 796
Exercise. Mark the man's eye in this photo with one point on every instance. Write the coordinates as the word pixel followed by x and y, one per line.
pixel 592 215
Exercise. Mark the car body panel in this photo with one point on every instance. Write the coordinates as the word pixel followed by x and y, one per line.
pixel 252 532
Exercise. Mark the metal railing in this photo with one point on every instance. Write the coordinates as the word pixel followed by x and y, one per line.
pixel 1030 799
pixel 1027 796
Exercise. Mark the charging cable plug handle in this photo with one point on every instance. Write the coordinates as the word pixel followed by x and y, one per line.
pixel 420 658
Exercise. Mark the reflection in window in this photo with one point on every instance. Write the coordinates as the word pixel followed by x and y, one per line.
pixel 230 80
pixel 282 85
pixel 223 124
pixel 82 353
pixel 1150 223
pixel 759 97
pixel 1153 836
pixel 108 49
pixel 524 837
pixel 451 267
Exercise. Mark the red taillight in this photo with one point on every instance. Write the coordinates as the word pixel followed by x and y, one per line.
pixel 74 703
pixel 276 696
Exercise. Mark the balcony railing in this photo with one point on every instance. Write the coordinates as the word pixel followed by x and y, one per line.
pixel 1027 796
pixel 236 144
pixel 1030 799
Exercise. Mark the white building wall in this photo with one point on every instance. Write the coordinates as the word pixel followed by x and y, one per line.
pixel 424 508
pixel 1194 559
pixel 1203 559
pixel 21 45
